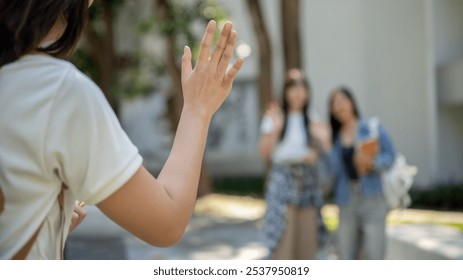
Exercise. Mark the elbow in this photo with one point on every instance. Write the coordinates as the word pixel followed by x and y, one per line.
pixel 169 236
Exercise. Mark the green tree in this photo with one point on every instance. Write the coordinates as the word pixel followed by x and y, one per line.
pixel 266 92
pixel 97 56
pixel 291 34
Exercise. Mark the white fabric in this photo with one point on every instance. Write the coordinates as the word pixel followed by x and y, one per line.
pixel 293 147
pixel 56 127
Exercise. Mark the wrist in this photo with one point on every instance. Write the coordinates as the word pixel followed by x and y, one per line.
pixel 196 113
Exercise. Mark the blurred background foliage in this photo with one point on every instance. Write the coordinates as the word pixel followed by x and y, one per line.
pixel 120 75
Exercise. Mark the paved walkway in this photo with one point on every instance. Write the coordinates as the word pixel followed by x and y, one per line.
pixel 206 237
pixel 228 228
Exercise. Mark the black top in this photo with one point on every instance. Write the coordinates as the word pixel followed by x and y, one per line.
pixel 348 159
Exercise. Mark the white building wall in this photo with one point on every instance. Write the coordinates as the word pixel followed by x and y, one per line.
pixel 448 45
pixel 401 80
pixel 448 26
pixel 333 35
pixel 379 49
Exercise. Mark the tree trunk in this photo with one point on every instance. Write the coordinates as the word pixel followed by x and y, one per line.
pixel 103 53
pixel 290 29
pixel 266 93
pixel 175 94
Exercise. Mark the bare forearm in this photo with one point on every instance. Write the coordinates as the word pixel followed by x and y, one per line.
pixel 158 210
pixel 180 174
pixel 267 145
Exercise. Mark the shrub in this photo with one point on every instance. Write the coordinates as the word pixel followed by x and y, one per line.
pixel 439 198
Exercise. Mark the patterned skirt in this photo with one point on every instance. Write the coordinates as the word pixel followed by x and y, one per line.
pixel 288 184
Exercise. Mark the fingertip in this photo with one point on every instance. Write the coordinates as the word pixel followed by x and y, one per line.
pixel 212 25
pixel 187 67
pixel 186 52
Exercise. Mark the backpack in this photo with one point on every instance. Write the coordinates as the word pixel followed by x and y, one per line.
pixel 397 179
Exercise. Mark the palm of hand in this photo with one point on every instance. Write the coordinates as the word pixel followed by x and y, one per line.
pixel 207 85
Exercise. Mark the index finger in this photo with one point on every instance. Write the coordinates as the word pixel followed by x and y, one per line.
pixel 206 42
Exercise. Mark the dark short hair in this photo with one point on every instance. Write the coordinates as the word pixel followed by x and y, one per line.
pixel 25 23
pixel 295 77
pixel 335 124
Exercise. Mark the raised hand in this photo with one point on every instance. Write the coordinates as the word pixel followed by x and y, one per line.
pixel 208 84
pixel 275 113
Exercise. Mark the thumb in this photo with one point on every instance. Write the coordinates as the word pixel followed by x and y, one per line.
pixel 186 63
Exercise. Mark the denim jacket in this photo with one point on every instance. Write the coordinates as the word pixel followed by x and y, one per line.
pixel 370 183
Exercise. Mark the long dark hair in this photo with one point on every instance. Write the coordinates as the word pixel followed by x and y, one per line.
pixel 335 124
pixel 296 77
pixel 24 24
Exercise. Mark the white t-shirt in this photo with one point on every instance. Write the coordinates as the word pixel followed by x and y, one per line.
pixel 293 147
pixel 56 128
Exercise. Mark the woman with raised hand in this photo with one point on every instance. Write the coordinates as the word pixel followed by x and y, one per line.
pixel 293 192
pixel 61 141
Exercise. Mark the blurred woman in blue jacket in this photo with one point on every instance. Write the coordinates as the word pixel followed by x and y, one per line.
pixel 357 185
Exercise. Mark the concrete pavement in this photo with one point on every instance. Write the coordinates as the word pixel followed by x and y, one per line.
pixel 205 238
pixel 233 233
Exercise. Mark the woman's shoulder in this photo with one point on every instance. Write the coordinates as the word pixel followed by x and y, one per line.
pixel 72 90
pixel 369 123
pixel 372 126
pixel 42 63
pixel 60 69
pixel 76 79
pixel 75 85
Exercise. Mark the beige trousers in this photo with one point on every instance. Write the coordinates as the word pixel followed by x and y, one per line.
pixel 299 241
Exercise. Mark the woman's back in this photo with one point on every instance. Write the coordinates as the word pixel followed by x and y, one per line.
pixel 57 131
pixel 61 141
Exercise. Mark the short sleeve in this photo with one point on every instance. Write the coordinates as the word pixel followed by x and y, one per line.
pixel 86 145
pixel 267 125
